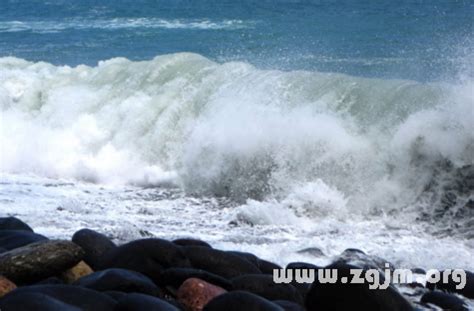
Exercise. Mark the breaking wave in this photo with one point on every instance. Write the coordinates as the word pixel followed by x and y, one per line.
pixel 368 145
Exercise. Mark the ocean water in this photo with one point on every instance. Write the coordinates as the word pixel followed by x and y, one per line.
pixel 263 126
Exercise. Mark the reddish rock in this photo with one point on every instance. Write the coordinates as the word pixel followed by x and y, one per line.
pixel 76 272
pixel 195 293
pixel 6 286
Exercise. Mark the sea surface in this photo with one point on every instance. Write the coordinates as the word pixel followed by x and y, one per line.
pixel 257 125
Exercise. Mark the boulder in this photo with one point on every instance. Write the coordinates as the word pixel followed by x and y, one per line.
pixel 445 301
pixel 68 296
pixel 174 277
pixel 11 239
pixel 13 223
pixel 219 262
pixel 264 286
pixel 191 242
pixel 450 286
pixel 147 256
pixel 138 302
pixel 344 295
pixel 34 262
pixel 95 245
pixel 194 294
pixel 289 305
pixel 119 280
pixel 239 301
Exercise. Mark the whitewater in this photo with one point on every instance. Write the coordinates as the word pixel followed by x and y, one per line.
pixel 266 161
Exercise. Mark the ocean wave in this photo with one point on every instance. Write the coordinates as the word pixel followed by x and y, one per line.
pixel 122 23
pixel 233 130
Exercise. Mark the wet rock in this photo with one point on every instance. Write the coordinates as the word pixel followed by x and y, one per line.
pixel 138 302
pixel 289 305
pixel 345 296
pixel 247 256
pixel 40 260
pixel 95 245
pixel 239 301
pixel 11 239
pixel 267 267
pixel 49 296
pixel 194 293
pixel 78 271
pixel 13 223
pixel 312 251
pixel 356 257
pixel 174 277
pixel 219 262
pixel 264 286
pixel 303 288
pixel 119 280
pixel 54 280
pixel 445 301
pixel 147 256
pixel 34 301
pixel 6 286
pixel 191 242
pixel 450 285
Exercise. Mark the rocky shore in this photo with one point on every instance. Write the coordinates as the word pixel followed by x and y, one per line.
pixel 91 272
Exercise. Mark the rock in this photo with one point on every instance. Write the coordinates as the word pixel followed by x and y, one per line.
pixel 95 245
pixel 76 272
pixel 50 296
pixel 6 286
pixel 176 276
pixel 119 280
pixel 34 301
pixel 301 265
pixel 247 256
pixel 289 305
pixel 34 262
pixel 267 267
pixel 191 242
pixel 264 286
pixel 239 301
pixel 147 256
pixel 194 293
pixel 219 262
pixel 303 288
pixel 138 302
pixel 54 280
pixel 445 301
pixel 115 295
pixel 11 239
pixel 312 251
pixel 345 296
pixel 358 258
pixel 450 286
pixel 13 223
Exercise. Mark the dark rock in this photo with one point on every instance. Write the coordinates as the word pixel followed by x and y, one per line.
pixel 176 276
pixel 219 262
pixel 194 294
pixel 34 262
pixel 450 286
pixel 301 265
pixel 119 280
pixel 289 305
pixel 263 285
pixel 115 295
pixel 191 242
pixel 239 301
pixel 313 251
pixel 418 271
pixel 33 302
pixel 95 245
pixel 303 288
pixel 54 280
pixel 3 250
pixel 445 301
pixel 358 258
pixel 139 302
pixel 247 256
pixel 11 239
pixel 82 298
pixel 267 267
pixel 13 223
pixel 345 296
pixel 147 256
